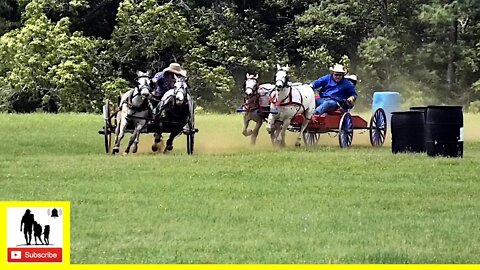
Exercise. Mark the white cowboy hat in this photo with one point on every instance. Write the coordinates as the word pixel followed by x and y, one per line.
pixel 352 77
pixel 338 68
pixel 176 69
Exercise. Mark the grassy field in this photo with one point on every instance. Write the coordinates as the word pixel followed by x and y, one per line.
pixel 233 203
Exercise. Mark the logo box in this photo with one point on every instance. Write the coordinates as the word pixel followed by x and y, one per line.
pixel 35 234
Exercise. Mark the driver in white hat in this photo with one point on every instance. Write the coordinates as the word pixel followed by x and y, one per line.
pixel 335 90
pixel 164 80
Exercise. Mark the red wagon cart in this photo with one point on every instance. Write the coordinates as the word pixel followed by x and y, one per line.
pixel 343 123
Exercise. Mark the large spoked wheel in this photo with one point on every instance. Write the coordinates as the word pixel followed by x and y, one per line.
pixel 190 137
pixel 107 126
pixel 345 131
pixel 378 128
pixel 310 138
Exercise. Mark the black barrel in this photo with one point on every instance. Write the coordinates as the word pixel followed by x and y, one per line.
pixel 421 109
pixel 444 131
pixel 408 131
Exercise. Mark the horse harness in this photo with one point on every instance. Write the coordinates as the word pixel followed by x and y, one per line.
pixel 143 106
pixel 288 100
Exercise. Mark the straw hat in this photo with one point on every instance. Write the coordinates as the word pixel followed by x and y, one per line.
pixel 176 69
pixel 338 68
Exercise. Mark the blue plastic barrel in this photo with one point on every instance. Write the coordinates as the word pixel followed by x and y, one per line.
pixel 388 101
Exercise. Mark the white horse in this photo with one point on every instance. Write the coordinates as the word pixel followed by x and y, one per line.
pixel 177 107
pixel 256 106
pixel 292 99
pixel 135 107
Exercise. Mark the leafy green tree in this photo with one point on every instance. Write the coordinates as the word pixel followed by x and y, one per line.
pixel 9 15
pixel 228 45
pixel 45 63
pixel 451 46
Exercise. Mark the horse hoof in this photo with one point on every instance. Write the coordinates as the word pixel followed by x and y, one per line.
pixel 168 148
pixel 154 148
pixel 115 151
pixel 134 149
pixel 298 144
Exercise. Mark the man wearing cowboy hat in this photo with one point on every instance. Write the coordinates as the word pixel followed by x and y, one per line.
pixel 335 90
pixel 164 80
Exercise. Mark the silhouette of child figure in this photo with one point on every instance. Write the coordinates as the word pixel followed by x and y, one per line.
pixel 46 234
pixel 37 232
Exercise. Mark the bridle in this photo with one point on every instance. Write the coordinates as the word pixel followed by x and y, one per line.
pixel 144 86
pixel 182 89
pixel 283 80
pixel 254 88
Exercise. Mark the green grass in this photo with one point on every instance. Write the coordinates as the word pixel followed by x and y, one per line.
pixel 233 203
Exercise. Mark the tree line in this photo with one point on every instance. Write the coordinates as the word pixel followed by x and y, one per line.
pixel 71 55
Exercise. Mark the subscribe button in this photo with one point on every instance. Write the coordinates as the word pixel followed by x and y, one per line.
pixel 34 255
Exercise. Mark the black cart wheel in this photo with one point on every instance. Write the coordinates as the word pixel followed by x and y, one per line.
pixel 107 126
pixel 190 137
pixel 310 138
pixel 378 127
pixel 345 131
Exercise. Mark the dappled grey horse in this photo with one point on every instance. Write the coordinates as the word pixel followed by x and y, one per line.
pixel 134 111
pixel 173 112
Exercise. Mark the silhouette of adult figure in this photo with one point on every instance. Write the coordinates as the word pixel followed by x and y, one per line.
pixel 27 224
pixel 37 232
pixel 46 234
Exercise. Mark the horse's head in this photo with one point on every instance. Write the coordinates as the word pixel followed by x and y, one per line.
pixel 180 89
pixel 281 77
pixel 250 87
pixel 143 83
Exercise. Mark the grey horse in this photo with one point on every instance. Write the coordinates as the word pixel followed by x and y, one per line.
pixel 135 106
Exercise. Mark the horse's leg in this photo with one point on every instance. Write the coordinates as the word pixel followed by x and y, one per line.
pixel 275 133
pixel 258 124
pixel 119 133
pixel 157 138
pixel 270 123
pixel 246 119
pixel 173 134
pixel 281 136
pixel 132 139
pixel 305 122
pixel 138 131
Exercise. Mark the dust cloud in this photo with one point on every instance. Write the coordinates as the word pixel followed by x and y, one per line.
pixel 222 134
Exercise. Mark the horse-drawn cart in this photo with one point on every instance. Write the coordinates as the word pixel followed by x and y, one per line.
pixel 152 126
pixel 343 123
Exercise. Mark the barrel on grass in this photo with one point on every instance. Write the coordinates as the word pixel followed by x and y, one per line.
pixel 444 131
pixel 388 101
pixel 408 131
pixel 420 109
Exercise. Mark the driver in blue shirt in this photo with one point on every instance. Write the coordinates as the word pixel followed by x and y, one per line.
pixel 335 91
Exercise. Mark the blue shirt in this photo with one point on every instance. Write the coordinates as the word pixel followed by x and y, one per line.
pixel 163 83
pixel 337 91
